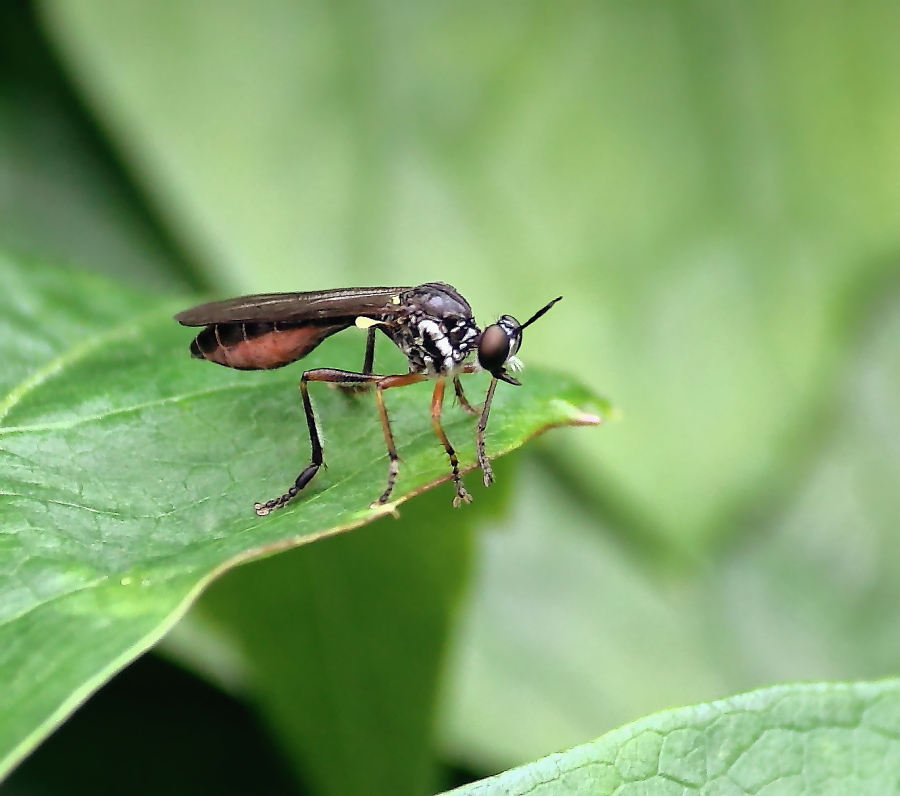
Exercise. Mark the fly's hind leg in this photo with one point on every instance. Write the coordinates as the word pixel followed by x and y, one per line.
pixel 330 376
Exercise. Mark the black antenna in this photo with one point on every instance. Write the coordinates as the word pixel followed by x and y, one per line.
pixel 539 313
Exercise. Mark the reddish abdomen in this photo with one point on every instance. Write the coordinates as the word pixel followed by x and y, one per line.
pixel 259 346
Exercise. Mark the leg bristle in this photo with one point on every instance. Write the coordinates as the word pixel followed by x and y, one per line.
pixel 393 472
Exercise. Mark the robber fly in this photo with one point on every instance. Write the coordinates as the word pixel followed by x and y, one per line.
pixel 432 325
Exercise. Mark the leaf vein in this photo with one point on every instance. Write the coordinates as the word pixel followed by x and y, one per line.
pixel 68 357
pixel 62 425
pixel 8 620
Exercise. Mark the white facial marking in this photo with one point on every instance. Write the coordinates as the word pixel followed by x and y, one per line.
pixel 362 322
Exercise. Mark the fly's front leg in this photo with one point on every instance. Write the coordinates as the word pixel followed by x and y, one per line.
pixel 483 461
pixel 330 376
pixel 385 383
pixel 437 402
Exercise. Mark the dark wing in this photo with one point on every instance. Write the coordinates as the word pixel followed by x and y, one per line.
pixel 296 307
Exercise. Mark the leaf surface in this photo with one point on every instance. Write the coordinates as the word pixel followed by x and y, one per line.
pixel 797 739
pixel 128 473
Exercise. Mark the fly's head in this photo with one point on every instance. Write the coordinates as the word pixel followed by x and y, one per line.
pixel 499 343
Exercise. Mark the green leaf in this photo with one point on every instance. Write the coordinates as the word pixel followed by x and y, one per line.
pixel 128 473
pixel 63 194
pixel 343 643
pixel 705 183
pixel 796 739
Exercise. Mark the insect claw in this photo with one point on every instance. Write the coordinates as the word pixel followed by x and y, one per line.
pixel 487 472
pixel 462 496
pixel 385 508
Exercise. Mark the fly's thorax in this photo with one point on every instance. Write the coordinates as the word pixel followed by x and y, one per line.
pixel 436 332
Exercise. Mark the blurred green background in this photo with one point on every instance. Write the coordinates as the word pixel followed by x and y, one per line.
pixel 715 189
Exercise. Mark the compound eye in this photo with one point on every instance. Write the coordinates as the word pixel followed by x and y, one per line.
pixel 493 348
pixel 513 331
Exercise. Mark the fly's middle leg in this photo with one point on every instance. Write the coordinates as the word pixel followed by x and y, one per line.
pixel 386 383
pixel 437 402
